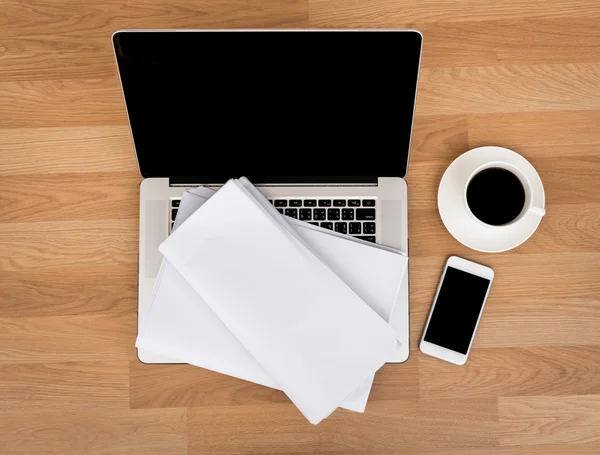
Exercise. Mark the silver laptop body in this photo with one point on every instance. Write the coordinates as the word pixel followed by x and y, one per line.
pixel 379 201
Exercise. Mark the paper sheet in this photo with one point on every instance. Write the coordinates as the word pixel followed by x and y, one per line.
pixel 209 344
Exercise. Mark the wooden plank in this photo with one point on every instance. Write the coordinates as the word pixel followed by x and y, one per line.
pixel 483 450
pixel 543 134
pixel 181 385
pixel 509 88
pixel 560 449
pixel 68 338
pixel 66 385
pixel 35 245
pixel 95 432
pixel 67 150
pixel 56 56
pixel 547 371
pixel 63 197
pixel 549 420
pixel 472 451
pixel 56 103
pixel 412 13
pixel 384 427
pixel 76 18
pixel 63 291
pixel 500 42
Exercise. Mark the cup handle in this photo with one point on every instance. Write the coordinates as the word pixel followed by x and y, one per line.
pixel 537 210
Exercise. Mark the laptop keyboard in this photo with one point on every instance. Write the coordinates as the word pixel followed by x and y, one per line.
pixel 355 217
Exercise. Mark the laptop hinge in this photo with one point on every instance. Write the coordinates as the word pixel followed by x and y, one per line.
pixel 278 181
pixel 217 185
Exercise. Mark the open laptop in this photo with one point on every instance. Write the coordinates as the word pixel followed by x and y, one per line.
pixel 319 120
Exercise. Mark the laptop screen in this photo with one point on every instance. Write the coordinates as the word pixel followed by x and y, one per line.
pixel 275 106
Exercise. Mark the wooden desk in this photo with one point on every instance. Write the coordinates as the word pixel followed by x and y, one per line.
pixel 521 74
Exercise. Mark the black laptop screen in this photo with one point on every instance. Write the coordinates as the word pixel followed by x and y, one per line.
pixel 271 105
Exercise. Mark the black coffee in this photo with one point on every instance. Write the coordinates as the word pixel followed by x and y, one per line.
pixel 496 196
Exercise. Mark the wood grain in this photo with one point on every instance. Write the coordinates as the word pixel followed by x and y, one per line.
pixel 549 420
pixel 494 42
pixel 49 151
pixel 386 13
pixel 387 425
pixel 95 432
pixel 51 198
pixel 72 385
pixel 544 371
pixel 560 449
pixel 66 338
pixel 519 74
pixel 35 245
pixel 155 386
pixel 166 386
pixel 509 88
pixel 90 102
pixel 68 290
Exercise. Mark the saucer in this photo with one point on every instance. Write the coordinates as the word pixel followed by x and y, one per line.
pixel 457 217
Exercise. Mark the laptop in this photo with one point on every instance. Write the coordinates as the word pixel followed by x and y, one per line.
pixel 319 120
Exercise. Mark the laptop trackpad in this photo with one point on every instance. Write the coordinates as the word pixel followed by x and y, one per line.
pixel 155 232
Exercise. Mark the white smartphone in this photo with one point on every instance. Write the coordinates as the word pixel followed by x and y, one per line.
pixel 456 310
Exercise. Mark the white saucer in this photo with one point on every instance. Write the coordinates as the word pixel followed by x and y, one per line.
pixel 457 217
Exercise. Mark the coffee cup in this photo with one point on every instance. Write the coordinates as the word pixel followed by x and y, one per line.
pixel 499 194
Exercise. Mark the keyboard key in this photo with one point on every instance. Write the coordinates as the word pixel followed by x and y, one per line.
pixel 324 203
pixel 368 202
pixel 280 203
pixel 271 201
pixel 173 214
pixel 295 203
pixel 172 224
pixel 327 225
pixel 314 223
pixel 319 214
pixel 339 203
pixel 305 214
pixel 292 212
pixel 333 214
pixel 368 238
pixel 365 214
pixel 175 202
pixel 355 228
pixel 347 214
pixel 354 203
pixel 369 228
pixel 310 203
pixel 280 211
pixel 342 228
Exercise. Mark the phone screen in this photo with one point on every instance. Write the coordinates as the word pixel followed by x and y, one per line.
pixel 456 310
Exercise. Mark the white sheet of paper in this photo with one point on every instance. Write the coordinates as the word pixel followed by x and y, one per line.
pixel 180 325
pixel 312 334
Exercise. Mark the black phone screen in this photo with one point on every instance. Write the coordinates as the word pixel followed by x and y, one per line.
pixel 457 309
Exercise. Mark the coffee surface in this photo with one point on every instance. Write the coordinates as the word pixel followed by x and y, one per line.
pixel 496 196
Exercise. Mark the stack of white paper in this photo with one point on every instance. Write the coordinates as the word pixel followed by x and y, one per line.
pixel 245 292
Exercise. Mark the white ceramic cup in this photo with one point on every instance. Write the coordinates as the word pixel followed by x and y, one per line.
pixel 528 207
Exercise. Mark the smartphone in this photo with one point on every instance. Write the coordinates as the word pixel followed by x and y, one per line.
pixel 456 310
